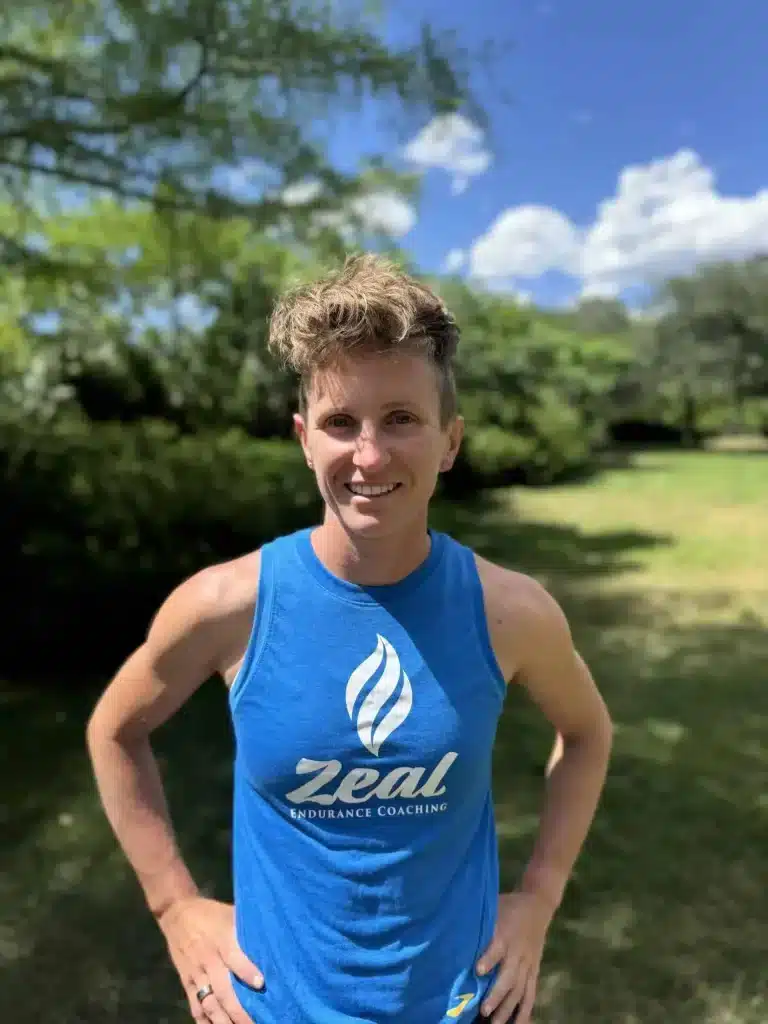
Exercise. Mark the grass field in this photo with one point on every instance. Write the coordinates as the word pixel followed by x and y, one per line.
pixel 663 570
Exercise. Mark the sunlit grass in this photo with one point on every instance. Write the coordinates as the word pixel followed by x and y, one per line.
pixel 666 917
pixel 708 511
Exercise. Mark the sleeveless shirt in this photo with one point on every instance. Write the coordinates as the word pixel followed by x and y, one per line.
pixel 365 863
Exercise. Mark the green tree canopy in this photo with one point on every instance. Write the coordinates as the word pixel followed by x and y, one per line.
pixel 163 103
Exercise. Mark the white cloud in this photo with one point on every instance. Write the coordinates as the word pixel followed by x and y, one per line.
pixel 301 192
pixel 665 217
pixel 385 211
pixel 525 241
pixel 452 143
pixel 379 211
pixel 454 261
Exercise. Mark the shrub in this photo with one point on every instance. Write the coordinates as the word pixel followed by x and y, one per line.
pixel 102 520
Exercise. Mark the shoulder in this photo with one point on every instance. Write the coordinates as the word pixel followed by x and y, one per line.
pixel 195 633
pixel 209 614
pixel 215 591
pixel 534 647
pixel 521 614
pixel 510 593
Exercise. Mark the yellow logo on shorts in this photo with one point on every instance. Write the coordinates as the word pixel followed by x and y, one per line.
pixel 464 1002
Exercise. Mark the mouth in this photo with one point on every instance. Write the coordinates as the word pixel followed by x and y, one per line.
pixel 372 490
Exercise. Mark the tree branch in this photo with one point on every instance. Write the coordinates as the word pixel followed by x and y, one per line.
pixel 22 56
pixel 213 205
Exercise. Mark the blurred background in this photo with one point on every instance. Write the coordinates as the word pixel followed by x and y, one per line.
pixel 587 186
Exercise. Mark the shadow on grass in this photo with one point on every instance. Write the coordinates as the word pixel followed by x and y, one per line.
pixel 42 737
pixel 665 917
pixel 488 525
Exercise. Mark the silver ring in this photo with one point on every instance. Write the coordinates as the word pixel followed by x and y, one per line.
pixel 203 992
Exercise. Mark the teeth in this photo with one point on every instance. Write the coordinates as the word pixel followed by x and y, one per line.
pixel 371 490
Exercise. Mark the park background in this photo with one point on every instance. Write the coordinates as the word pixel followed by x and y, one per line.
pixel 166 170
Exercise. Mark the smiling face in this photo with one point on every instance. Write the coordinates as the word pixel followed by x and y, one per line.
pixel 373 434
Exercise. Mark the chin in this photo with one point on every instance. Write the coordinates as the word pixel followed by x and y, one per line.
pixel 375 520
pixel 366 525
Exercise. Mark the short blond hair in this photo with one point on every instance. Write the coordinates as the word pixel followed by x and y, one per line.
pixel 370 305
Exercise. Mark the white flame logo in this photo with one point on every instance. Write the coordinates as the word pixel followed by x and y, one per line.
pixel 371 738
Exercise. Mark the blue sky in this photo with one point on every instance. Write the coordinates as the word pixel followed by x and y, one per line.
pixel 675 90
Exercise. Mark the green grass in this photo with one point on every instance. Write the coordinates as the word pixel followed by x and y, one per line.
pixel 663 570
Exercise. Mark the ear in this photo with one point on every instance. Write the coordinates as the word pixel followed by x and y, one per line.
pixel 455 436
pixel 300 429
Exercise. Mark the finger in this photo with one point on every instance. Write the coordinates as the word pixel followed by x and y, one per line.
pixel 493 955
pixel 243 968
pixel 509 1011
pixel 196 1009
pixel 190 987
pixel 529 999
pixel 211 1009
pixel 509 982
pixel 225 993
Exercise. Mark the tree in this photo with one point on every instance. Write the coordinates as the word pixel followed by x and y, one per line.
pixel 165 103
pixel 535 394
pixel 723 310
pixel 173 331
pixel 157 154
pixel 597 316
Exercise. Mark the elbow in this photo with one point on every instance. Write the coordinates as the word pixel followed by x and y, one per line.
pixel 96 732
pixel 108 727
pixel 606 729
pixel 602 741
pixel 599 736
pixel 602 726
pixel 595 736
pixel 101 728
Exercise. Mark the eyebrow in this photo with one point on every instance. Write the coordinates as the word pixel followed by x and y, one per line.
pixel 401 403
pixel 387 407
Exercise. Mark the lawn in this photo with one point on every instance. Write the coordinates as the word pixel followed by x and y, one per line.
pixel 662 567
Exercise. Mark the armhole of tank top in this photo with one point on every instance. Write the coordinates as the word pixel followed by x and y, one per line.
pixel 481 624
pixel 260 629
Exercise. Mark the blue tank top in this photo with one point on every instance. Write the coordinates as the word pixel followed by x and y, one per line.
pixel 365 856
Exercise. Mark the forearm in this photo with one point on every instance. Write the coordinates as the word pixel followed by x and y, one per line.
pixel 131 792
pixel 573 789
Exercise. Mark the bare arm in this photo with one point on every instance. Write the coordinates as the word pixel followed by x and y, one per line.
pixel 534 645
pixel 559 682
pixel 201 629
pixel 555 754
pixel 182 650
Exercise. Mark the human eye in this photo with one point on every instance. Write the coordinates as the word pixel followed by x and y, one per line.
pixel 401 417
pixel 338 421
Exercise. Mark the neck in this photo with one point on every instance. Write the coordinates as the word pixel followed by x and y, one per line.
pixel 374 561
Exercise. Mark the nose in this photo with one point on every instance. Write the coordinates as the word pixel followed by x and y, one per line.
pixel 370 453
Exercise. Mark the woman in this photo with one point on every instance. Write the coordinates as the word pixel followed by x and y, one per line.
pixel 367 662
